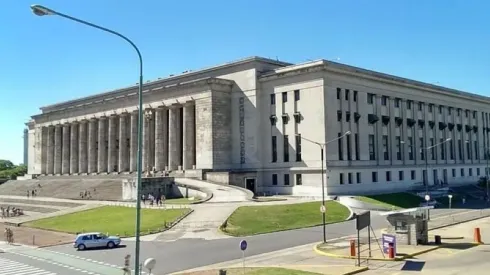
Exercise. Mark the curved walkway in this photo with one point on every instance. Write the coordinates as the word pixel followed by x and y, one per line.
pixel 221 193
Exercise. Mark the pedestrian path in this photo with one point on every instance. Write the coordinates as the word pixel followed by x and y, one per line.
pixel 9 267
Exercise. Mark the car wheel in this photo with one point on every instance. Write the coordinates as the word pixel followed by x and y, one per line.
pixel 110 245
pixel 81 247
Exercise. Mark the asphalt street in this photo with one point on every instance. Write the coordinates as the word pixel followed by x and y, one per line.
pixel 191 253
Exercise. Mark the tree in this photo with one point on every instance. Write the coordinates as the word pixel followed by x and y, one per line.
pixel 6 165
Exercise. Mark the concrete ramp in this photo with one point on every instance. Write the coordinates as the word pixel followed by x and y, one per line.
pixel 221 193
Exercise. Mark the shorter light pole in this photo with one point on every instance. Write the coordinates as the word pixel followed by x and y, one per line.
pixel 450 199
pixel 322 153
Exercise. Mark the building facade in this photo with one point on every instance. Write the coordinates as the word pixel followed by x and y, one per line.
pixel 260 124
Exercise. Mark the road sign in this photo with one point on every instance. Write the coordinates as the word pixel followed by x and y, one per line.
pixel 363 220
pixel 323 209
pixel 243 245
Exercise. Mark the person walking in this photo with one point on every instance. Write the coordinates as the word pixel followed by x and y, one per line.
pixel 127 262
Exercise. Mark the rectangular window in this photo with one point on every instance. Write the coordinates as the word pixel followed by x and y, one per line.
pixel 443 149
pixel 356 141
pixel 400 175
pixel 462 172
pixel 449 110
pixel 409 105
pixel 422 149
pixel 286 179
pixel 385 147
pixel 299 179
pixel 341 178
pixel 355 96
pixel 296 95
pixel 340 147
pixel 374 176
pixel 274 149
pixel 370 98
pixel 440 109
pixel 398 143
pixel 298 147
pixel 453 172
pixel 410 148
pixel 338 93
pixel 349 145
pixel 358 177
pixel 432 149
pixel 477 171
pixel 274 179
pixel 397 102
pixel 384 100
pixel 468 150
pixel 372 153
pixel 470 172
pixel 451 149
pixel 286 148
pixel 349 178
pixel 388 176
pixel 284 97
pixel 460 149
pixel 347 94
pixel 475 148
pixel 421 106
pixel 412 175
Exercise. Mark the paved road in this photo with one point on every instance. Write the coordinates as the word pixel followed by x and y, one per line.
pixel 191 253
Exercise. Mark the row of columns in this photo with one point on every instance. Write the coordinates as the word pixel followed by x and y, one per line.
pixel 109 144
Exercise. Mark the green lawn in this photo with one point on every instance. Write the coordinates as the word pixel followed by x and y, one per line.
pixel 256 271
pixel 393 201
pixel 252 220
pixel 110 219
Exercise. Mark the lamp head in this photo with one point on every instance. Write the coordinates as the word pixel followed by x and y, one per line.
pixel 347 133
pixel 448 139
pixel 40 10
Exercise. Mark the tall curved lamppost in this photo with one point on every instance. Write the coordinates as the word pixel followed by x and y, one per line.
pixel 43 11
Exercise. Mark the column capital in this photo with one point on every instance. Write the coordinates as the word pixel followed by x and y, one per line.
pixel 102 117
pixel 160 108
pixel 75 122
pixel 174 106
pixel 189 103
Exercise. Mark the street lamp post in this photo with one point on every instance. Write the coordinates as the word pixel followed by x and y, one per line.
pixel 42 11
pixel 148 116
pixel 426 178
pixel 322 154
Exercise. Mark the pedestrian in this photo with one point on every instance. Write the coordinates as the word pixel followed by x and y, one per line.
pixel 126 268
pixel 28 193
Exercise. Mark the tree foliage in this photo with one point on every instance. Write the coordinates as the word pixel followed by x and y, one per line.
pixel 10 171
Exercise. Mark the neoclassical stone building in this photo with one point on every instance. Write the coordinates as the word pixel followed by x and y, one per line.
pixel 254 123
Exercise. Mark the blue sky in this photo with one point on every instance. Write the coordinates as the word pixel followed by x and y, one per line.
pixel 45 60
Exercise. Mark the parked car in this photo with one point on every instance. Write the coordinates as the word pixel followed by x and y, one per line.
pixel 95 240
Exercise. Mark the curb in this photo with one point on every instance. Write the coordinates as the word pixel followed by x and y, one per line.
pixel 359 270
pixel 323 253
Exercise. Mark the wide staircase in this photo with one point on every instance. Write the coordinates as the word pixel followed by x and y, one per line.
pixel 100 188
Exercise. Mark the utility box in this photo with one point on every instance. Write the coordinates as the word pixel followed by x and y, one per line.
pixel 410 226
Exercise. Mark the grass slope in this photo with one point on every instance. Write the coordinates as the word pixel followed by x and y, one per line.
pixel 393 201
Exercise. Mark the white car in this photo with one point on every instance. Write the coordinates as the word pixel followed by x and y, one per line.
pixel 95 240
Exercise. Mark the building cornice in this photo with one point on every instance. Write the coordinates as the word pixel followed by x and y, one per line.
pixel 329 66
pixel 204 83
pixel 123 91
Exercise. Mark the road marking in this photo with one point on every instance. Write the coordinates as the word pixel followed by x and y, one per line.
pixel 9 267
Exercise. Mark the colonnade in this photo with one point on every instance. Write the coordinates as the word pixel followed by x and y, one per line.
pixel 108 144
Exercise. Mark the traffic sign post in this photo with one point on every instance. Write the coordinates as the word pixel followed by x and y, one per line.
pixel 243 247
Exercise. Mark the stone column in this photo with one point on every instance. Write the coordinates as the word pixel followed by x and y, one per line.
pixel 65 166
pixel 82 147
pixel 57 149
pixel 161 139
pixel 123 144
pixel 102 150
pixel 146 140
pixel 189 146
pixel 112 144
pixel 74 148
pixel 50 151
pixel 92 146
pixel 133 150
pixel 44 149
pixel 174 159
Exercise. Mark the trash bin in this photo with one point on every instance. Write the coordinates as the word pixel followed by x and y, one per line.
pixel 437 239
pixel 222 272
